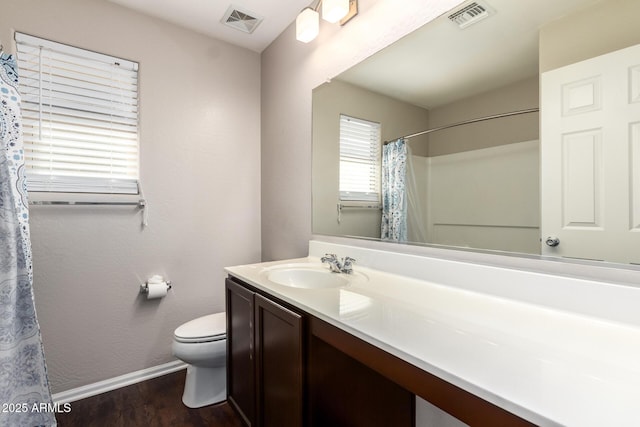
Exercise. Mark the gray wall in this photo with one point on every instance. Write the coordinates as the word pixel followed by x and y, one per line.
pixel 515 96
pixel 200 166
pixel 607 26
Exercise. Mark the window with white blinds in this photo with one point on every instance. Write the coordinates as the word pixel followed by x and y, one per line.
pixel 359 160
pixel 80 118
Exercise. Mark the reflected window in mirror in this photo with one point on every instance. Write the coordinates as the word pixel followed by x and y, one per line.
pixel 359 160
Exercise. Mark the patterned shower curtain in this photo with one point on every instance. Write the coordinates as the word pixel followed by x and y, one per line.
pixel 394 193
pixel 24 387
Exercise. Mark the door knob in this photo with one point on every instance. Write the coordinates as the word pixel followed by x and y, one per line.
pixel 552 241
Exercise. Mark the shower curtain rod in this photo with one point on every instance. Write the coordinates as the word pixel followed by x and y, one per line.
pixel 466 122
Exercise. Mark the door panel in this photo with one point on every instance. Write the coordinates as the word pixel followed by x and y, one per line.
pixel 582 179
pixel 240 363
pixel 590 158
pixel 279 364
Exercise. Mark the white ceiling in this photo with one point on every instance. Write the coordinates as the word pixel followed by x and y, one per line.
pixel 432 66
pixel 204 16
pixel 440 63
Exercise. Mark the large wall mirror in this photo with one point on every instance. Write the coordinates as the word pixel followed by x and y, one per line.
pixel 544 177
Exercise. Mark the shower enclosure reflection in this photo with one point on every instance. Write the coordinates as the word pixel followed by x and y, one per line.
pixel 473 185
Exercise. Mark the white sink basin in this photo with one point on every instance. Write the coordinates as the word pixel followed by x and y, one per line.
pixel 307 278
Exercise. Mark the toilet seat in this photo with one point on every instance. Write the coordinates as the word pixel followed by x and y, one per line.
pixel 212 327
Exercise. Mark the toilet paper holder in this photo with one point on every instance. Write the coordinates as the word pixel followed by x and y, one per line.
pixel 144 288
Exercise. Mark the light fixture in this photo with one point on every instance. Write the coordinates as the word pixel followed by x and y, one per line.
pixel 308 21
pixel 334 10
pixel 307 25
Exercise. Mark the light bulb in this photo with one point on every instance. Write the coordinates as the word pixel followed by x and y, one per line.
pixel 334 10
pixel 307 25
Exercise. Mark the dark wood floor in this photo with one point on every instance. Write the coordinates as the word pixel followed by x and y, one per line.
pixel 153 403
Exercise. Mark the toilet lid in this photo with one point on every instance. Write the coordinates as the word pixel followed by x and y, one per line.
pixel 205 328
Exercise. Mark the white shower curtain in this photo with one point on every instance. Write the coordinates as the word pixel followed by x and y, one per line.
pixel 24 387
pixel 416 215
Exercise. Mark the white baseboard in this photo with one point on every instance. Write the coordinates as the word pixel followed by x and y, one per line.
pixel 117 382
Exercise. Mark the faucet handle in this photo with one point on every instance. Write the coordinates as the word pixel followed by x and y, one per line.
pixel 329 257
pixel 332 260
pixel 347 264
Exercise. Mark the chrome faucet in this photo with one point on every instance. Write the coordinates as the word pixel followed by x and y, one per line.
pixel 346 266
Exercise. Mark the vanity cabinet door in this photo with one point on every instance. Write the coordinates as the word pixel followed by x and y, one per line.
pixel 240 351
pixel 264 359
pixel 279 383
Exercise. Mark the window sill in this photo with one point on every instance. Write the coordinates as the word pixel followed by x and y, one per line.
pixel 56 198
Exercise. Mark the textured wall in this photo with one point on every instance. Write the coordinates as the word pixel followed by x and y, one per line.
pixel 200 148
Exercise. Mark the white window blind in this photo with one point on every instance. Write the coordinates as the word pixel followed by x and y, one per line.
pixel 80 118
pixel 359 160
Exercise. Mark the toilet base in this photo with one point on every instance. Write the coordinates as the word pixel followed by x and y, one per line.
pixel 204 386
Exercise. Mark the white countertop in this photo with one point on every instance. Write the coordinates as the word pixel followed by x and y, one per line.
pixel 546 365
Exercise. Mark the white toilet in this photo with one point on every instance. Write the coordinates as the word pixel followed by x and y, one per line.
pixel 202 344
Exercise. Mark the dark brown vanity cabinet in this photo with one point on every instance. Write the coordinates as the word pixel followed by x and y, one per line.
pixel 264 359
pixel 287 368
pixel 282 370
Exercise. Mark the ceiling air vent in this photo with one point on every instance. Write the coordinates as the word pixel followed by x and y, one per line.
pixel 240 19
pixel 470 14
